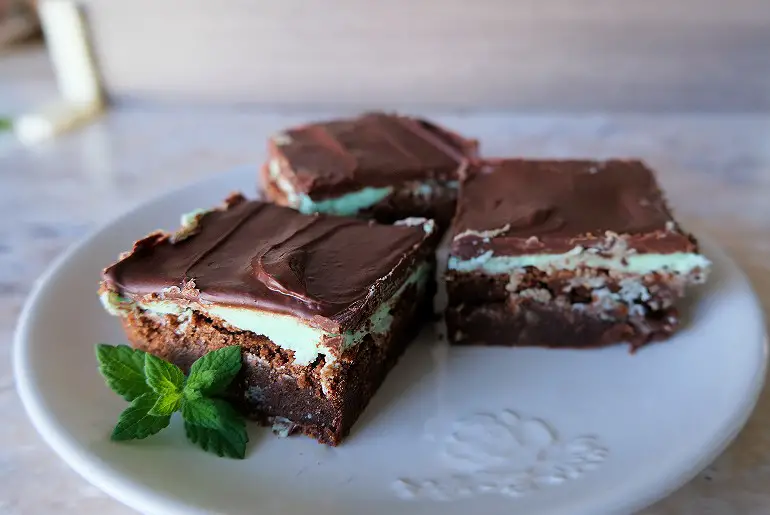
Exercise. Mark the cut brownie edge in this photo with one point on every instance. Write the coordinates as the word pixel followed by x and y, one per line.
pixel 586 286
pixel 314 302
pixel 379 166
pixel 321 400
pixel 431 199
pixel 509 309
pixel 573 253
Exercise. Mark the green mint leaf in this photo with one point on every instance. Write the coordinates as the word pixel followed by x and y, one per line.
pixel 163 377
pixel 123 370
pixel 201 412
pixel 221 443
pixel 136 422
pixel 229 439
pixel 166 405
pixel 6 124
pixel 213 372
pixel 196 385
pixel 157 389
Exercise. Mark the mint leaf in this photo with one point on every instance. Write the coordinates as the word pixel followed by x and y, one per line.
pixel 221 443
pixel 201 412
pixel 6 124
pixel 123 370
pixel 213 372
pixel 167 404
pixel 157 389
pixel 163 377
pixel 136 422
pixel 229 439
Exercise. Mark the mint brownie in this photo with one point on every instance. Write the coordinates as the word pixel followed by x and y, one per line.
pixel 321 306
pixel 380 166
pixel 566 254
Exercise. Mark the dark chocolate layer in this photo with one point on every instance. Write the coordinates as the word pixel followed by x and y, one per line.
pixel 331 270
pixel 518 206
pixel 330 158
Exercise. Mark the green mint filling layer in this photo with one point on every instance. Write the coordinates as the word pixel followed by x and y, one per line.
pixel 381 320
pixel 678 262
pixel 345 205
pixel 428 188
pixel 189 224
pixel 192 218
pixel 115 304
pixel 285 331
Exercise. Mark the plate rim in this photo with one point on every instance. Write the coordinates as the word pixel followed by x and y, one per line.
pixel 99 474
pixel 149 500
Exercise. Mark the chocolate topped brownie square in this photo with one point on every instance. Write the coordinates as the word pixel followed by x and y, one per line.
pixel 322 306
pixel 377 165
pixel 566 253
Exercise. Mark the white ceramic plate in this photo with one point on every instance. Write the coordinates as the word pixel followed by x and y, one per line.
pixel 452 430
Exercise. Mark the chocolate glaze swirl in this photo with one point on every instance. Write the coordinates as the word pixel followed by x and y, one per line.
pixel 330 158
pixel 552 206
pixel 329 269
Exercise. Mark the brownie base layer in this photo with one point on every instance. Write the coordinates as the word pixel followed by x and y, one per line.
pixel 404 202
pixel 529 323
pixel 567 308
pixel 317 400
pixel 567 286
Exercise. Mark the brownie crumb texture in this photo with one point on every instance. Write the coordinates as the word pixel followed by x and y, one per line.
pixel 321 400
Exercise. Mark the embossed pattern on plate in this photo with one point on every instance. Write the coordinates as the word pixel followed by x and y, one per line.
pixel 506 454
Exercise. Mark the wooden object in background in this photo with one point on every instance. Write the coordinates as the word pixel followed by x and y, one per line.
pixel 523 54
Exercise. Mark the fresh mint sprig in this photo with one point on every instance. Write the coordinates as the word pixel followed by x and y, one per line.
pixel 157 389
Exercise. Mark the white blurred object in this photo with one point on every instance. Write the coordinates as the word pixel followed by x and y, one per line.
pixel 67 40
pixel 53 119
pixel 76 75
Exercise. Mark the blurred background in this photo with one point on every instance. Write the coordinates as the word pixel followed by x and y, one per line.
pixel 106 103
pixel 577 55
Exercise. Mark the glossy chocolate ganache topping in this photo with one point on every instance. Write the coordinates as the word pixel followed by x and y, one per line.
pixel 263 256
pixel 376 149
pixel 518 206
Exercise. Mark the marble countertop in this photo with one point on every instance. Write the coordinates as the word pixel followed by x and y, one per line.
pixel 715 168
